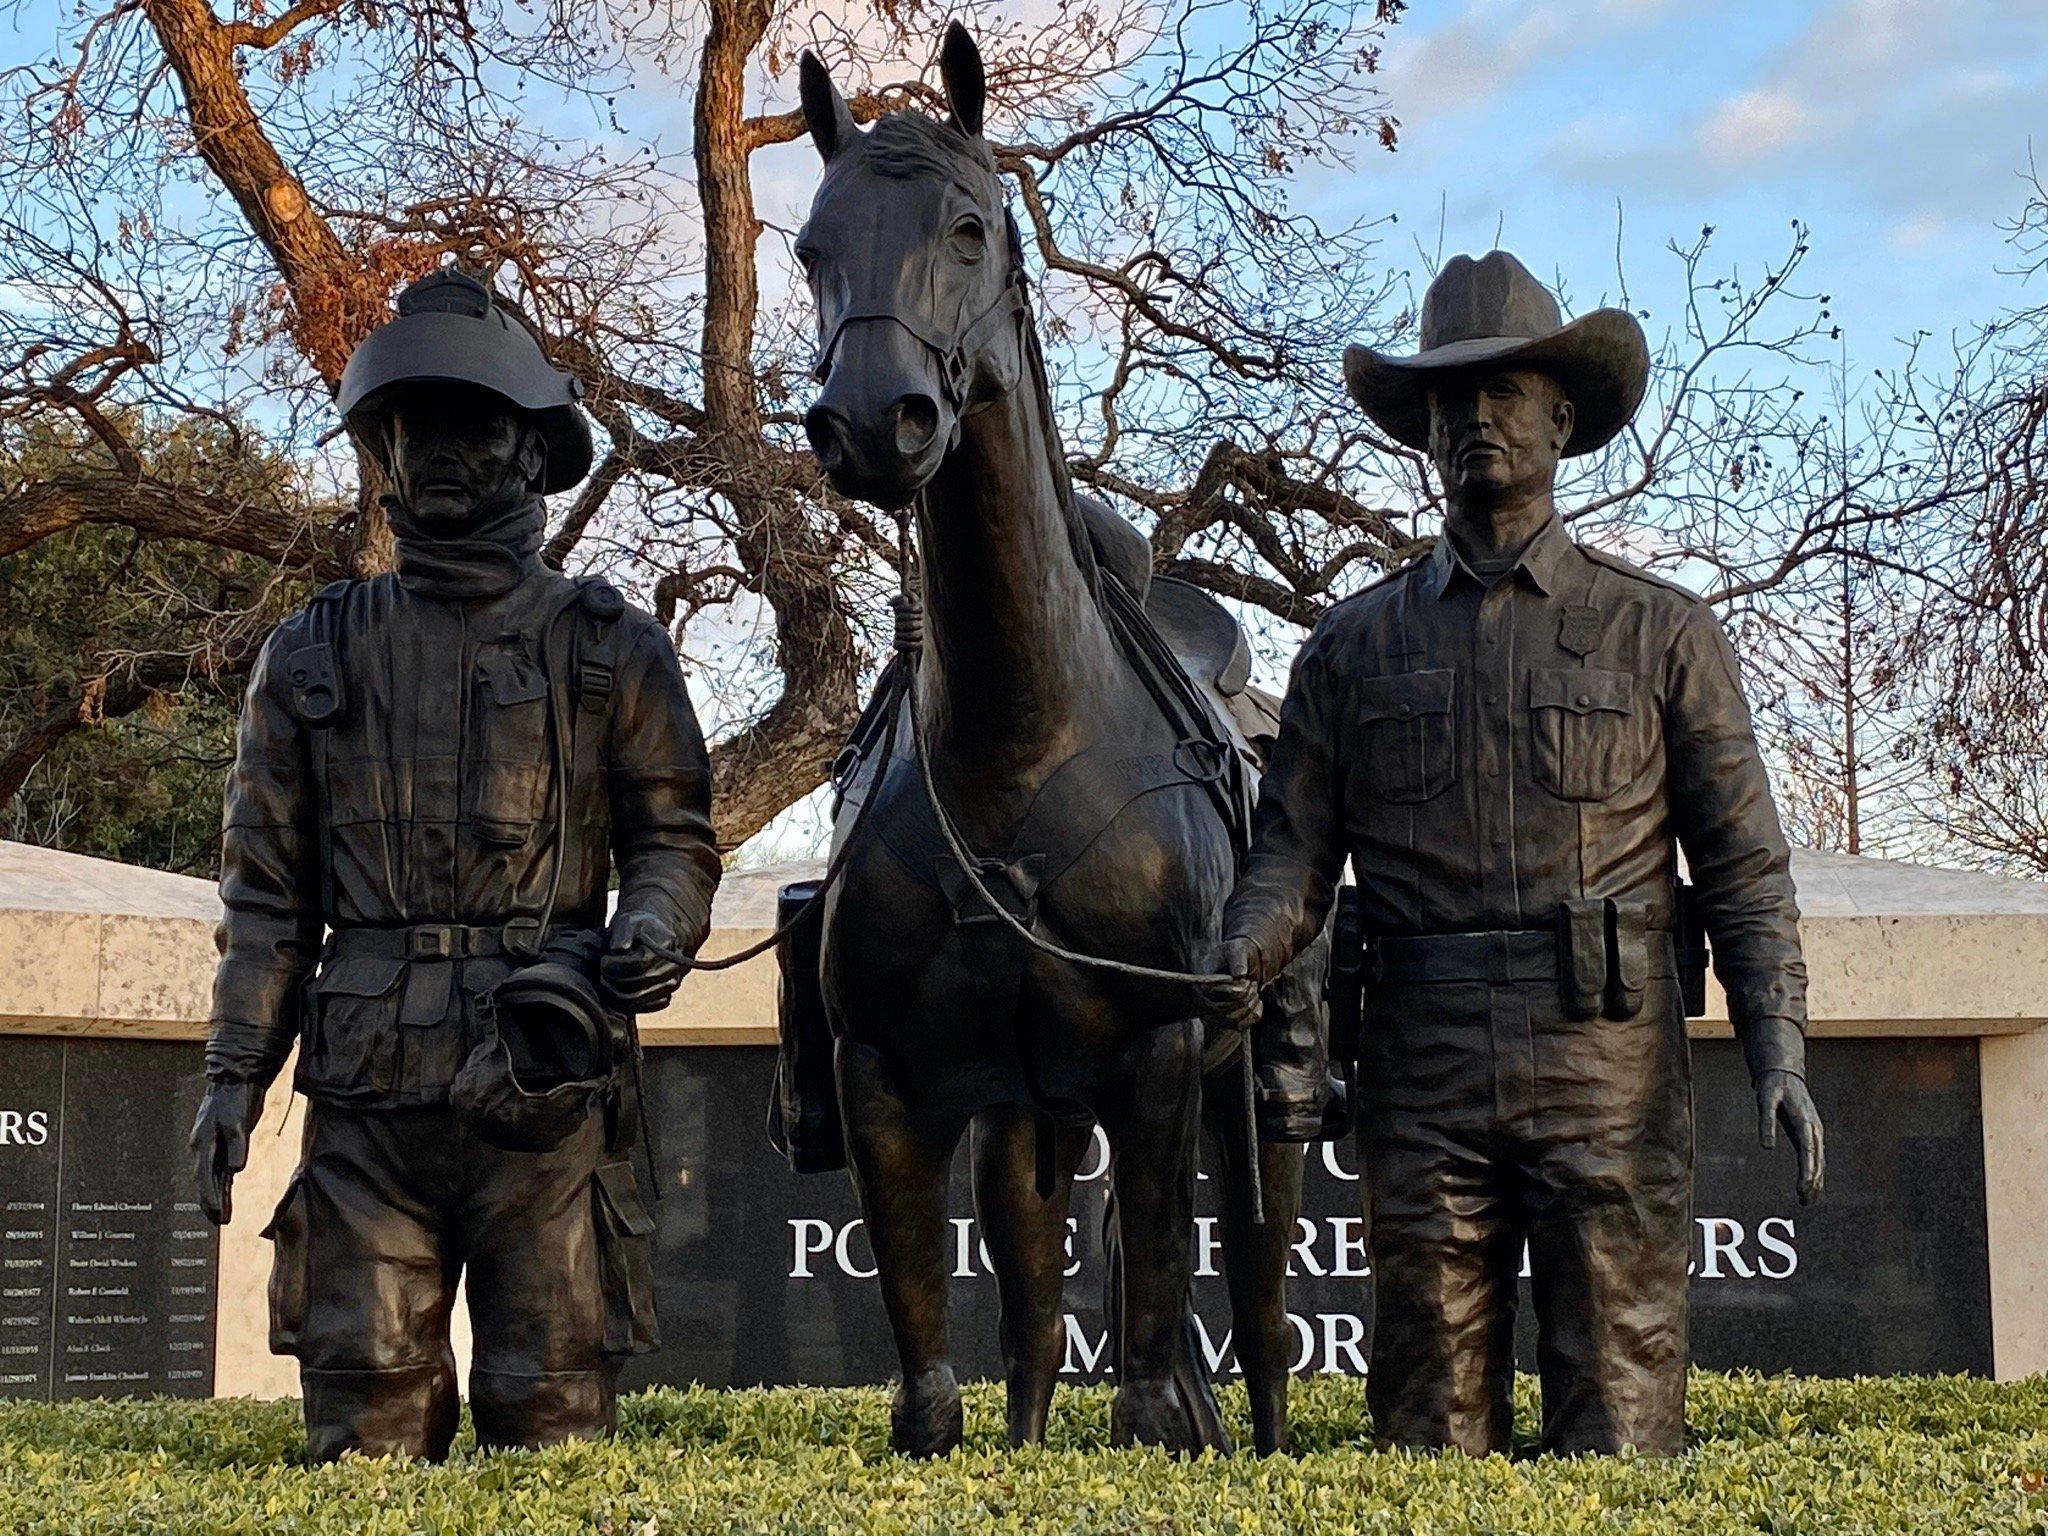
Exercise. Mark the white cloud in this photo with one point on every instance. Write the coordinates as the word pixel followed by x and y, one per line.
pixel 1915 234
pixel 1463 63
pixel 1922 106
pixel 1754 124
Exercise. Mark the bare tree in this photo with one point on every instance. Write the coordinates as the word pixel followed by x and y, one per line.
pixel 203 212
pixel 1986 650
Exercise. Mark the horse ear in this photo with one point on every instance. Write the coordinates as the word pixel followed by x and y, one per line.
pixel 825 111
pixel 966 81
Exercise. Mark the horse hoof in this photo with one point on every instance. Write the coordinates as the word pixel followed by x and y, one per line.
pixel 925 1418
pixel 1152 1413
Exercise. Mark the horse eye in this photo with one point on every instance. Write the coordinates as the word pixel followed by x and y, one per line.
pixel 968 239
pixel 807 258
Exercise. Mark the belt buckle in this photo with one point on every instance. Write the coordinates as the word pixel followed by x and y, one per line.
pixel 1500 960
pixel 430 942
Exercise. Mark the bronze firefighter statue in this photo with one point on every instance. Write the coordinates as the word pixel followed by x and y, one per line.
pixel 437 772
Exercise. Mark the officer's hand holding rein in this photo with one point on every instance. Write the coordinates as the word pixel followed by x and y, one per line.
pixel 1232 1004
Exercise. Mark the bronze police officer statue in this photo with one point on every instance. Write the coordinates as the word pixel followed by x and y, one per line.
pixel 1510 739
pixel 437 772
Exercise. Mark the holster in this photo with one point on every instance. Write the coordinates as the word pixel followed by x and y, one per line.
pixel 803 1106
pixel 1692 954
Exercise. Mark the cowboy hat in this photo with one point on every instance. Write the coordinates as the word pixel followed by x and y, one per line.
pixel 1493 313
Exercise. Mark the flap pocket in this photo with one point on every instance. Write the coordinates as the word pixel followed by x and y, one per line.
pixel 359 976
pixel 621 1197
pixel 512 676
pixel 351 1046
pixel 625 1259
pixel 1405 695
pixel 290 1267
pixel 1586 739
pixel 1582 690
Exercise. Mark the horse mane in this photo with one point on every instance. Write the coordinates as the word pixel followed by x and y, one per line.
pixel 910 145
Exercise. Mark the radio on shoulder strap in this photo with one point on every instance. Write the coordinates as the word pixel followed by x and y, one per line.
pixel 319 695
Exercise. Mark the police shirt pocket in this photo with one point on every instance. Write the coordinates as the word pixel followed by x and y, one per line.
pixel 625 1261
pixel 1408 733
pixel 354 1039
pixel 510 769
pixel 1584 735
pixel 290 1279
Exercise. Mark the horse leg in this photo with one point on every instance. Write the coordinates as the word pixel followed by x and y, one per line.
pixel 1254 1256
pixel 1152 1120
pixel 900 1166
pixel 1027 1245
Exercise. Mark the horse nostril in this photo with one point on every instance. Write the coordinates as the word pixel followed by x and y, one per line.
pixel 827 433
pixel 917 423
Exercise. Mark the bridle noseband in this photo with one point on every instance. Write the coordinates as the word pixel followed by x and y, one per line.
pixel 954 353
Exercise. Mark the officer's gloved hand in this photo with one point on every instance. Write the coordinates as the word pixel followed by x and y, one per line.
pixel 220 1144
pixel 1232 1004
pixel 1782 1099
pixel 633 975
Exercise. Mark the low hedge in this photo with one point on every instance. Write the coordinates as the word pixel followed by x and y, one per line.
pixel 1899 1456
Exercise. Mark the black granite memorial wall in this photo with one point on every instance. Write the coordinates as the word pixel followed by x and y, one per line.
pixel 764 1276
pixel 107 1270
pixel 107 1267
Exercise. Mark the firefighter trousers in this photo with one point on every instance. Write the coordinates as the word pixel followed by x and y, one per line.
pixel 389 1208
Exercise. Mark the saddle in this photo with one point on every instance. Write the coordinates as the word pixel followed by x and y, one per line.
pixel 1209 644
pixel 1193 658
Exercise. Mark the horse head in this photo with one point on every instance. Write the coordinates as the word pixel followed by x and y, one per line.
pixel 913 259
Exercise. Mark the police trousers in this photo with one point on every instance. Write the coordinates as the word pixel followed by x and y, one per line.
pixel 389 1208
pixel 1490 1122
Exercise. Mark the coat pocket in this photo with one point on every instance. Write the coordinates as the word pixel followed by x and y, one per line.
pixel 353 1044
pixel 1585 739
pixel 510 763
pixel 290 1278
pixel 625 1259
pixel 1408 736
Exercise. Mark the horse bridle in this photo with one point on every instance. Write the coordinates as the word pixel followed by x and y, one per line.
pixel 954 352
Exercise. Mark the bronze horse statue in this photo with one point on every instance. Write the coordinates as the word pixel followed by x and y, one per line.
pixel 1092 816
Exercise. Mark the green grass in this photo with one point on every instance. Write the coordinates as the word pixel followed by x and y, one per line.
pixel 1900 1456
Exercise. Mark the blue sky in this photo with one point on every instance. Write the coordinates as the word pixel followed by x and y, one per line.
pixel 1894 128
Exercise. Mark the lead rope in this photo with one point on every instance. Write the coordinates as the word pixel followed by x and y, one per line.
pixel 967 862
